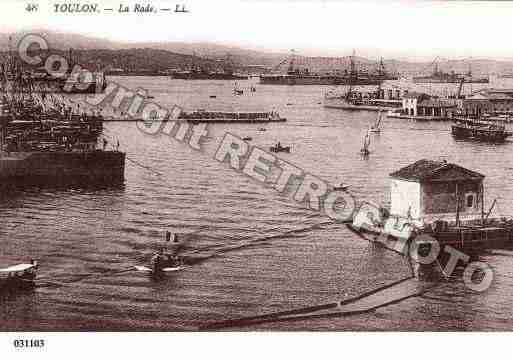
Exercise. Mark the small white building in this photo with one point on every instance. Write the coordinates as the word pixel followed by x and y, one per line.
pixel 411 101
pixel 420 104
pixel 427 191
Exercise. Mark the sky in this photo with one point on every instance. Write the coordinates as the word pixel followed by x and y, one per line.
pixel 408 30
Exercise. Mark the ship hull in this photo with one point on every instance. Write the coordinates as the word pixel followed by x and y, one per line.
pixel 472 241
pixel 225 77
pixel 62 167
pixel 434 80
pixel 315 80
pixel 478 134
pixel 343 104
pixel 63 86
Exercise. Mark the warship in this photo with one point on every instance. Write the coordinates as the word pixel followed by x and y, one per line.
pixel 85 82
pixel 439 76
pixel 198 72
pixel 378 99
pixel 72 81
pixel 296 76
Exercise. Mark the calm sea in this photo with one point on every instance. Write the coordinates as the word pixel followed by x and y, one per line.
pixel 252 250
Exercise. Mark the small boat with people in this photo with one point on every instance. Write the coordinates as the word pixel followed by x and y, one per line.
pixel 279 148
pixel 18 276
pixel 163 262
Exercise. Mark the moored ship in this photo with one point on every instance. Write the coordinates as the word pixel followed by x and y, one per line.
pixel 84 82
pixel 377 100
pixel 76 79
pixel 48 143
pixel 295 76
pixel 198 72
pixel 479 130
pixel 203 74
pixel 439 76
pixel 380 99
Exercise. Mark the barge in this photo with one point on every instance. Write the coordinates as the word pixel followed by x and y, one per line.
pixel 200 116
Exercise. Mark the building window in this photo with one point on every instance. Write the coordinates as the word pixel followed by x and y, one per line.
pixel 469 200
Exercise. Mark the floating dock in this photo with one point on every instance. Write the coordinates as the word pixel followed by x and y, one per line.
pixel 235 120
pixel 419 118
pixel 211 117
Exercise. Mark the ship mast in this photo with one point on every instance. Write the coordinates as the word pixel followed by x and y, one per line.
pixel 352 74
pixel 290 70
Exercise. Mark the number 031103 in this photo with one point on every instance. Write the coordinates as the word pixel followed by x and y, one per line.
pixel 29 343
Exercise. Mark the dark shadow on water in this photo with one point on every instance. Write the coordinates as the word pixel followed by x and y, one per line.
pixel 12 292
pixel 15 189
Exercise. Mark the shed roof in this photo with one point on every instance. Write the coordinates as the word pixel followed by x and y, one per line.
pixel 428 170
pixel 414 94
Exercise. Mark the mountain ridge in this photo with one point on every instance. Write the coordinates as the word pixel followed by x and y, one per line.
pixel 178 54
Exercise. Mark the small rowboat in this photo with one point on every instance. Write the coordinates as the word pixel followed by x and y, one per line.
pixel 279 148
pixel 341 187
pixel 20 275
pixel 248 138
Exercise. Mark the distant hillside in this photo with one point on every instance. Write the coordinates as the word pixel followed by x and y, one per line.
pixel 60 40
pixel 159 56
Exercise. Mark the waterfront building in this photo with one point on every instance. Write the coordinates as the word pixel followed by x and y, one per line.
pixel 488 101
pixel 428 191
pixel 421 104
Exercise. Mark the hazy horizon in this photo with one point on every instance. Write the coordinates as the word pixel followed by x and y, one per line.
pixel 407 31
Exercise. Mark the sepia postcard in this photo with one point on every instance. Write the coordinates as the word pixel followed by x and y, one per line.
pixel 184 172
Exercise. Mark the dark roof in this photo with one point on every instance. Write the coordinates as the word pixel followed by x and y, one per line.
pixel 435 103
pixel 424 170
pixel 413 94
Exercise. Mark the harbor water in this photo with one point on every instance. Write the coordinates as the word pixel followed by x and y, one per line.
pixel 252 249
